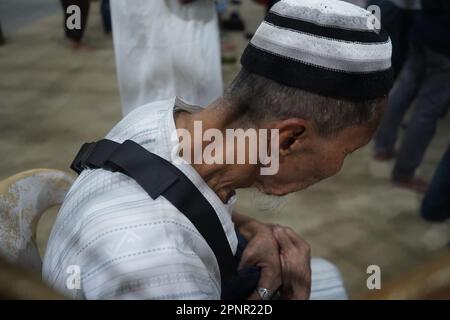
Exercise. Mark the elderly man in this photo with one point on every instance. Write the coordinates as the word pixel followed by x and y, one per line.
pixel 316 73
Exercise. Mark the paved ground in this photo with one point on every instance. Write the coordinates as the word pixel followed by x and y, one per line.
pixel 53 99
pixel 18 13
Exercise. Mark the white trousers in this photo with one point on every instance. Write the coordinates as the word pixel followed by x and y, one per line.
pixel 164 49
pixel 326 282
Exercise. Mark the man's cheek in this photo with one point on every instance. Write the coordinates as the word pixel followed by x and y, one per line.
pixel 326 169
pixel 335 167
pixel 330 164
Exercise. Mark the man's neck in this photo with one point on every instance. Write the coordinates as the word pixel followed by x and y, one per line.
pixel 223 178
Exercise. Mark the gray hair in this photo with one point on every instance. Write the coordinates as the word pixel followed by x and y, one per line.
pixel 256 99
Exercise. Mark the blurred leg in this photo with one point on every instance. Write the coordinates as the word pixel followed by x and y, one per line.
pixel 326 281
pixel 397 22
pixel 106 16
pixel 2 39
pixel 432 101
pixel 76 34
pixel 436 203
pixel 400 99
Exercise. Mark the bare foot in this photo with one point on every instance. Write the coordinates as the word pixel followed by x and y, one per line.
pixel 415 184
pixel 80 46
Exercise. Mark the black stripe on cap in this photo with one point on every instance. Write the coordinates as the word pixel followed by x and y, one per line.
pixel 369 36
pixel 326 82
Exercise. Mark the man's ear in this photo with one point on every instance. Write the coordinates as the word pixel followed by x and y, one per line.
pixel 291 132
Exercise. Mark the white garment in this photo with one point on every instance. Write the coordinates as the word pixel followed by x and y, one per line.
pixel 326 281
pixel 126 244
pixel 164 49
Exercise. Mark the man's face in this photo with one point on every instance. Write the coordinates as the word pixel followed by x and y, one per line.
pixel 314 158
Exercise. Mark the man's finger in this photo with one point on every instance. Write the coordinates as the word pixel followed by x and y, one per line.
pixel 268 280
pixel 248 258
pixel 295 238
pixel 283 239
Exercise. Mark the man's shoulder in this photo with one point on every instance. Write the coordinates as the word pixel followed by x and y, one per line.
pixel 142 121
pixel 118 219
pixel 129 238
pixel 115 199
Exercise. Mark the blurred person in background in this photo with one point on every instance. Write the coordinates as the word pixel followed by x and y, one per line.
pixel 436 203
pixel 397 17
pixel 105 10
pixel 166 48
pixel 2 38
pixel 425 79
pixel 75 35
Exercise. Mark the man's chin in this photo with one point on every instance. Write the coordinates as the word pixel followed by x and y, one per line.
pixel 270 191
pixel 279 192
pixel 266 200
pixel 262 189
